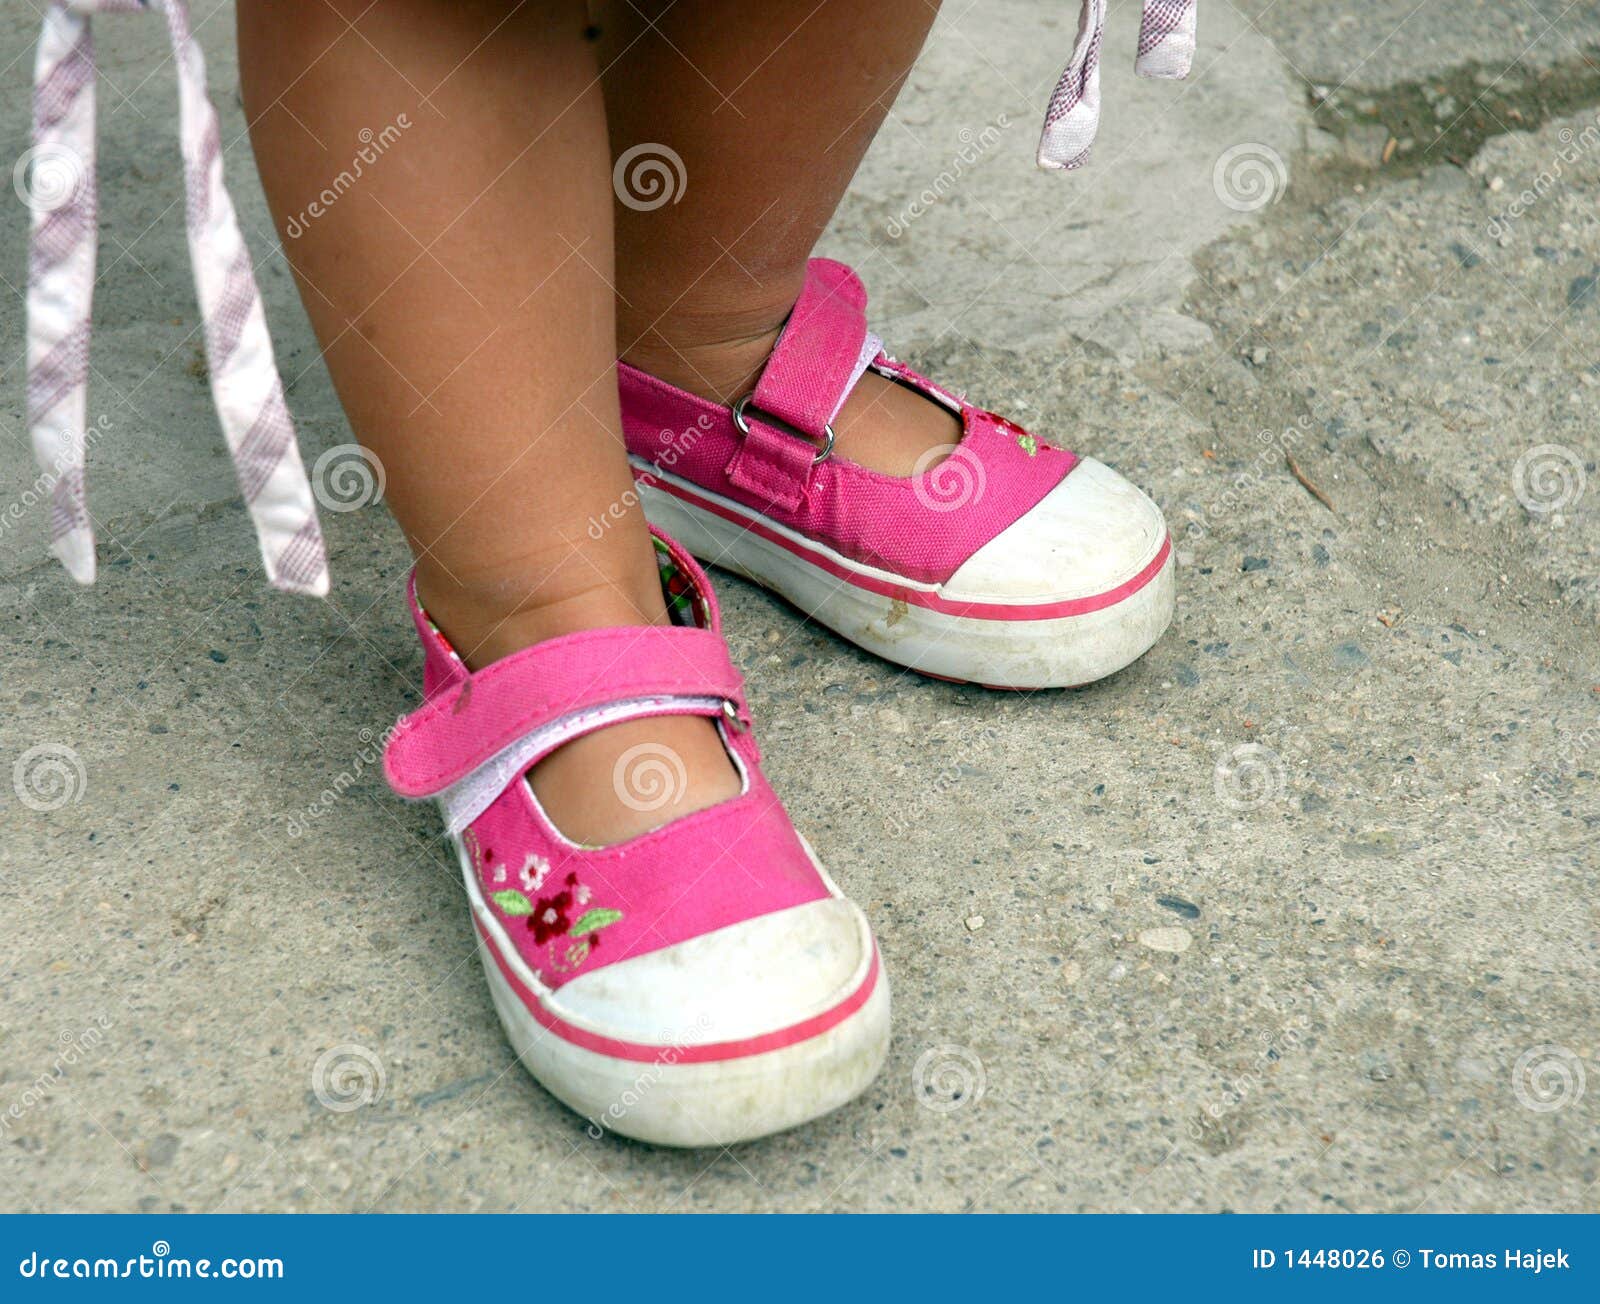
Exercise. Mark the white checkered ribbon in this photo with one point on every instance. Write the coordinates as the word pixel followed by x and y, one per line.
pixel 62 194
pixel 1166 49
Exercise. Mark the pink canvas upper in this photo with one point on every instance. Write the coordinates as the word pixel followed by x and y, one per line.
pixel 921 527
pixel 569 909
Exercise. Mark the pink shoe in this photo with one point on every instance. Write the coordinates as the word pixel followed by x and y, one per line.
pixel 1010 563
pixel 701 984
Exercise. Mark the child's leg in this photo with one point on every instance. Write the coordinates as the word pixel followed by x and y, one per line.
pixel 461 291
pixel 771 108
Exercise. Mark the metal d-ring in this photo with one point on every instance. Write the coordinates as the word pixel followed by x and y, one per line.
pixel 744 428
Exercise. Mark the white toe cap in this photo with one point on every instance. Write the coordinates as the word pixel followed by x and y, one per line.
pixel 1093 532
pixel 751 978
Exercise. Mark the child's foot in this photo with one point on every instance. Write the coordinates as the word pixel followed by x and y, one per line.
pixel 711 959
pixel 620 781
pixel 924 529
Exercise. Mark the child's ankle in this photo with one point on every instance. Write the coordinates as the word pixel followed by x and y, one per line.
pixel 487 622
pixel 721 370
pixel 512 596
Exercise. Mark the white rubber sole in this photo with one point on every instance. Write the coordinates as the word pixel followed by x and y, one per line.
pixel 664 1094
pixel 900 619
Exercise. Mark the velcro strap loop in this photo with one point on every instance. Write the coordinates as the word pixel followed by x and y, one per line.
pixel 773 464
pixel 471 724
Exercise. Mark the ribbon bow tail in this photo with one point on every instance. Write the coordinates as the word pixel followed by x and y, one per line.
pixel 1072 120
pixel 244 375
pixel 61 265
pixel 61 195
pixel 1073 117
pixel 1166 39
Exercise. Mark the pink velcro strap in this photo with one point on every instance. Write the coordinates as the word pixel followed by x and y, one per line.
pixel 815 358
pixel 468 725
pixel 812 368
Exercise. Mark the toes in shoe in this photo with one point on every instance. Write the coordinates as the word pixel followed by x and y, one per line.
pixel 701 984
pixel 1007 562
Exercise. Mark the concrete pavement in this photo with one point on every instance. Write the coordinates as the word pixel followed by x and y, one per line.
pixel 1298 913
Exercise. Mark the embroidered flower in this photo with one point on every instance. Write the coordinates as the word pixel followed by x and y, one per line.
pixel 532 874
pixel 549 918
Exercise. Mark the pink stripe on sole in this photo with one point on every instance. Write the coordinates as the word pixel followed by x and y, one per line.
pixel 710 1053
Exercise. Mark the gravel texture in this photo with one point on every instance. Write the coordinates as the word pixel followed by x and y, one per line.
pixel 1298 913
